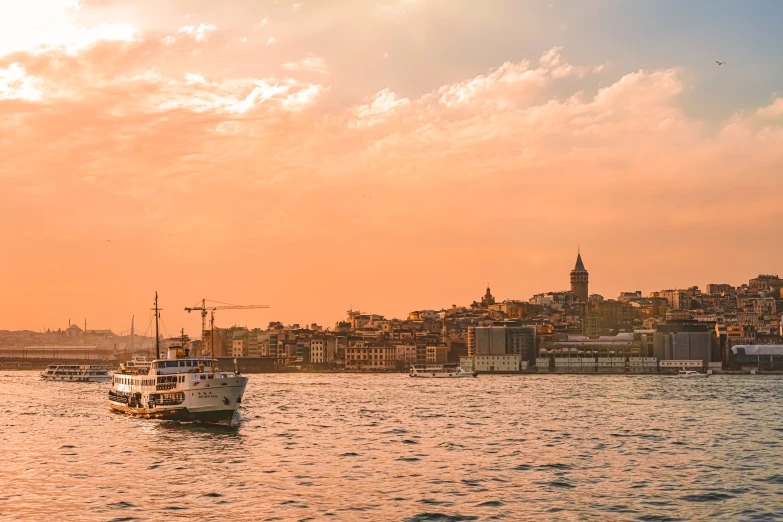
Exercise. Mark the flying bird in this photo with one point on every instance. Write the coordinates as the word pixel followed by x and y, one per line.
pixel 108 240
pixel 719 63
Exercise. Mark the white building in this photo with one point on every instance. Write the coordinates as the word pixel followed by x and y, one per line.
pixel 323 349
pixel 497 363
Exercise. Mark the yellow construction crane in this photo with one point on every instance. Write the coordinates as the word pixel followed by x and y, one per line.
pixel 219 306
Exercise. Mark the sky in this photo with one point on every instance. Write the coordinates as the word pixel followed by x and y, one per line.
pixel 379 155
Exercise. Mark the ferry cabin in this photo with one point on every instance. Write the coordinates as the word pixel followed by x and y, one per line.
pixel 163 383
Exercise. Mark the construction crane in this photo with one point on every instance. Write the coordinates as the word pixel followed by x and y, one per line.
pixel 219 306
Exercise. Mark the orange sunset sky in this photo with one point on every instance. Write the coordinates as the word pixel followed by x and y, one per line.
pixel 386 155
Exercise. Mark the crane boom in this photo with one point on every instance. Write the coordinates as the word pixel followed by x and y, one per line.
pixel 237 307
pixel 204 308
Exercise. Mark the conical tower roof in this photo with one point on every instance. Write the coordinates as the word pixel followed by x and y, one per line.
pixel 580 267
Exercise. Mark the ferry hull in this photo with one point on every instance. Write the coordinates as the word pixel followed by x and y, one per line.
pixel 214 401
pixel 76 378
pixel 175 414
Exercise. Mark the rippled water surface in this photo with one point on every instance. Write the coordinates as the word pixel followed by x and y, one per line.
pixel 387 447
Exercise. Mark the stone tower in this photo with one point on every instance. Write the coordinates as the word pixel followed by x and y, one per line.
pixel 579 279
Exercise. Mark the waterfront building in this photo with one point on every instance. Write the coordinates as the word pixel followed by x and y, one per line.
pixel 507 363
pixel 626 344
pixel 684 341
pixel 377 356
pixel 323 349
pixel 240 342
pixel 406 355
pixel 757 357
pixel 503 338
pixel 437 354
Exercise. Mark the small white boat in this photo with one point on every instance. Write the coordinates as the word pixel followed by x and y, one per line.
pixel 444 371
pixel 690 374
pixel 76 373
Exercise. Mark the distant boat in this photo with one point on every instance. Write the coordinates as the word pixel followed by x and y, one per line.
pixel 76 373
pixel 690 374
pixel 444 371
pixel 138 363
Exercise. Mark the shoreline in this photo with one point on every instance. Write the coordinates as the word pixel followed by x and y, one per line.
pixel 727 373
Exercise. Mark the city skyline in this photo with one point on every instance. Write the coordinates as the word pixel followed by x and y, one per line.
pixel 247 154
pixel 579 289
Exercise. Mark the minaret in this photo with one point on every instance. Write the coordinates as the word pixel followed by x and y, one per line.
pixel 579 279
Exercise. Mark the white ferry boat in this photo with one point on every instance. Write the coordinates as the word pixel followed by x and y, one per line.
pixel 691 374
pixel 443 371
pixel 137 363
pixel 76 373
pixel 178 387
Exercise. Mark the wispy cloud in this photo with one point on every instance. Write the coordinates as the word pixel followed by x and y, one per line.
pixel 200 32
pixel 310 63
pixel 772 111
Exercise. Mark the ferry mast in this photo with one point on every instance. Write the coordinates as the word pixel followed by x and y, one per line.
pixel 157 335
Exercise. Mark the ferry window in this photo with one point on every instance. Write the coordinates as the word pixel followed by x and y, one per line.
pixel 181 364
pixel 171 364
pixel 160 364
pixel 203 377
pixel 211 376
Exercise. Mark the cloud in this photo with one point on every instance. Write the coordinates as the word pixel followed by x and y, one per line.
pixel 200 32
pixel 772 111
pixel 271 41
pixel 509 85
pixel 382 104
pixel 261 24
pixel 311 63
pixel 16 84
pixel 296 7
pixel 148 144
pixel 191 79
pixel 46 24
